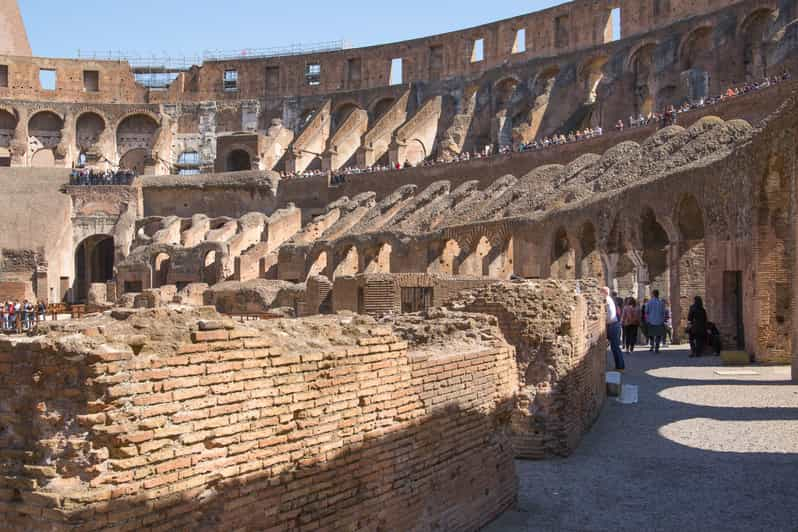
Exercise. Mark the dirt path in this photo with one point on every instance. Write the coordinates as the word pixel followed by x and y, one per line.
pixel 700 451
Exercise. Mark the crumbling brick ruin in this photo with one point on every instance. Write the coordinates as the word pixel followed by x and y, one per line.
pixel 282 333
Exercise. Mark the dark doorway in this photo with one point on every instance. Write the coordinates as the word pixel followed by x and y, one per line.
pixel 94 263
pixel 416 299
pixel 238 161
pixel 732 328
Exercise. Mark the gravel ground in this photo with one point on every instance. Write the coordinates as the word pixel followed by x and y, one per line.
pixel 700 451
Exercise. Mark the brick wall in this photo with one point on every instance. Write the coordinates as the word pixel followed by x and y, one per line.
pixel 235 428
pixel 561 350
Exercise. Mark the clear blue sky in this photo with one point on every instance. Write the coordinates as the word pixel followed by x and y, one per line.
pixel 57 28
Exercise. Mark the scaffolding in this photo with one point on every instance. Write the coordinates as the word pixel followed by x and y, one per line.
pixel 159 71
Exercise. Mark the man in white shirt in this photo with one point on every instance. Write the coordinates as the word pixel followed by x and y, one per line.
pixel 613 329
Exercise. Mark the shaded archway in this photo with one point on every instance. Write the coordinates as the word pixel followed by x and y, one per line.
pixel 348 263
pixel 475 263
pixel 160 270
pixel 504 94
pixel 211 268
pixel 416 152
pixel 381 107
pixel 641 65
pixel 88 129
pixel 692 256
pixel 591 74
pixel 753 32
pixel 135 160
pixel 589 265
pixel 444 259
pixel 563 257
pixel 136 132
pixel 238 161
pixel 44 135
pixel 379 261
pixel 655 252
pixel 697 59
pixel 94 263
pixel 8 124
pixel 318 266
pixel 341 113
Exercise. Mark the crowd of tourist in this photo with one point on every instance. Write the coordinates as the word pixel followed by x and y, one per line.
pixel 19 317
pixel 89 177
pixel 664 118
pixel 627 322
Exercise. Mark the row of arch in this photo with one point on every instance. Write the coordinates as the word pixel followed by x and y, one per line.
pixel 132 136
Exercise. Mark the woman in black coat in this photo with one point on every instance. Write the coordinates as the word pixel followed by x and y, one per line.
pixel 697 322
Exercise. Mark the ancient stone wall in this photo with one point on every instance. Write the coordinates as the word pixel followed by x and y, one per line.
pixel 106 428
pixel 561 350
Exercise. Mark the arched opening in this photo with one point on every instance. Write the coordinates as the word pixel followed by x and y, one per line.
pixel 135 160
pixel 476 263
pixel 504 94
pixel 94 263
pixel 341 113
pixel 136 134
pixel 692 255
pixel 8 124
pixel 754 31
pixel 444 259
pixel 416 152
pixel 538 110
pixel 44 135
pixel 592 73
pixel 498 264
pixel 563 258
pixel 643 70
pixel 590 262
pixel 380 262
pixel 238 161
pixel 697 60
pixel 348 264
pixel 160 270
pixel 88 129
pixel 621 270
pixel 381 107
pixel 319 265
pixel 655 252
pixel 210 268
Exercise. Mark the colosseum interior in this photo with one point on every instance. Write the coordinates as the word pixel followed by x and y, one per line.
pixel 352 289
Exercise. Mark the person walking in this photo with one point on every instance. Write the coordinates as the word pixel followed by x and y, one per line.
pixel 655 321
pixel 697 327
pixel 630 320
pixel 613 329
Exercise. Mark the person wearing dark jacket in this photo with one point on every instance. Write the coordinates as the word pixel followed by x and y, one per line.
pixel 697 323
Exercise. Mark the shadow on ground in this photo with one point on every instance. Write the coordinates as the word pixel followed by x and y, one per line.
pixel 700 451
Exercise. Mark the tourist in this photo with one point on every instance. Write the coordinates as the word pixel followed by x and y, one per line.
pixel 655 321
pixel 697 327
pixel 613 330
pixel 668 323
pixel 42 311
pixel 12 315
pixel 713 338
pixel 630 320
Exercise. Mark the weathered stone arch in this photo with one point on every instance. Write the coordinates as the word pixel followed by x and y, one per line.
pixel 161 265
pixel 505 89
pixel 445 258
pixel 691 255
pixel 136 131
pixel 563 256
pixel 319 264
pixel 378 260
pixel 89 126
pixel 591 73
pixel 640 64
pixel 753 32
pixel 655 243
pixel 380 106
pixel 695 46
pixel 590 264
pixel 341 112
pixel 44 135
pixel 348 262
pixel 94 263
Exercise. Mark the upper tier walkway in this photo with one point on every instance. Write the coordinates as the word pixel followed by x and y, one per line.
pixel 700 451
